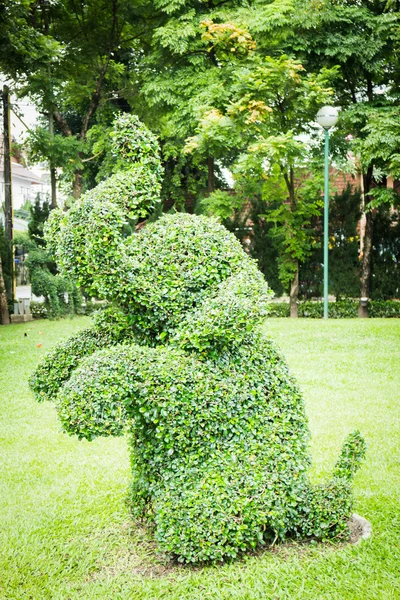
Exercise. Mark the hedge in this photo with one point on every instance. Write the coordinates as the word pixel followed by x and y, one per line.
pixel 343 309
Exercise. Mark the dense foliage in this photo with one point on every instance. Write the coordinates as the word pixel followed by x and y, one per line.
pixel 68 60
pixel 61 296
pixel 257 236
pixel 39 212
pixel 344 254
pixel 342 309
pixel 225 85
pixel 385 276
pixel 218 432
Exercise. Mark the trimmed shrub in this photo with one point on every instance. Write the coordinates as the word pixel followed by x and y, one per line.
pixel 218 431
pixel 384 308
pixel 337 310
pixel 279 309
pixel 342 309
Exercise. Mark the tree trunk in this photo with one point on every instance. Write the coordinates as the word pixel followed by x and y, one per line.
pixel 77 184
pixel 294 287
pixel 4 316
pixel 8 207
pixel 52 169
pixel 210 181
pixel 190 203
pixel 366 250
pixel 53 181
pixel 8 203
pixel 366 266
pixel 294 294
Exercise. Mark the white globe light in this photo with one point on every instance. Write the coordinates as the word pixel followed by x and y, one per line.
pixel 327 116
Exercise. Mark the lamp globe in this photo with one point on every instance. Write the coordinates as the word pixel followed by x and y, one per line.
pixel 327 116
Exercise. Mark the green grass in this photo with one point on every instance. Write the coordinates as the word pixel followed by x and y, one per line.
pixel 65 532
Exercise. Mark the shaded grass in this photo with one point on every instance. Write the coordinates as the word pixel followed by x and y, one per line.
pixel 65 532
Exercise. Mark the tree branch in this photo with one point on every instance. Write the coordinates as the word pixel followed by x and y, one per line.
pixel 96 94
pixel 95 100
pixel 92 157
pixel 80 23
pixel 65 128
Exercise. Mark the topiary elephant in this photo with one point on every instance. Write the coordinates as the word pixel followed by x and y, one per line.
pixel 218 431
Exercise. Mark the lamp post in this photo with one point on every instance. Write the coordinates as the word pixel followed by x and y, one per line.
pixel 327 117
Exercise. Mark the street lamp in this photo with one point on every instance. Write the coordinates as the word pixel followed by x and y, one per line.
pixel 327 117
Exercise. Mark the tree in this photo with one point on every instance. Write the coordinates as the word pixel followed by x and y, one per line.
pixel 76 60
pixel 254 232
pixel 6 258
pixel 39 213
pixel 82 62
pixel 272 103
pixel 344 216
pixel 70 59
pixel 191 77
pixel 362 39
pixel 4 315
pixel 207 80
pixel 187 69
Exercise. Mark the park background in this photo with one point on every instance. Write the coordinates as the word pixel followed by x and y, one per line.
pixel 231 89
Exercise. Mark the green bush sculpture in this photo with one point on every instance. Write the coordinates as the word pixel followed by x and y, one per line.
pixel 217 426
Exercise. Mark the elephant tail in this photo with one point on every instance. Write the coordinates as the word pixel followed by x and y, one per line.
pixel 351 456
pixel 327 507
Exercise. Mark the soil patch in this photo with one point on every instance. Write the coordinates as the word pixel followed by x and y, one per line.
pixel 139 556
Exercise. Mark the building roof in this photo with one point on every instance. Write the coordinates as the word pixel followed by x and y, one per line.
pixel 18 170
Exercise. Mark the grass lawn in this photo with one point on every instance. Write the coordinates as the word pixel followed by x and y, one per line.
pixel 65 532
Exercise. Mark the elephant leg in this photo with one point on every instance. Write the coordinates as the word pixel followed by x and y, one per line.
pixel 97 399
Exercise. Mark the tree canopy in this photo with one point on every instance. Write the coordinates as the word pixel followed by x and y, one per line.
pixel 224 85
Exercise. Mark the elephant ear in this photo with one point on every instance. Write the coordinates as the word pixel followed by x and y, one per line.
pixel 223 320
